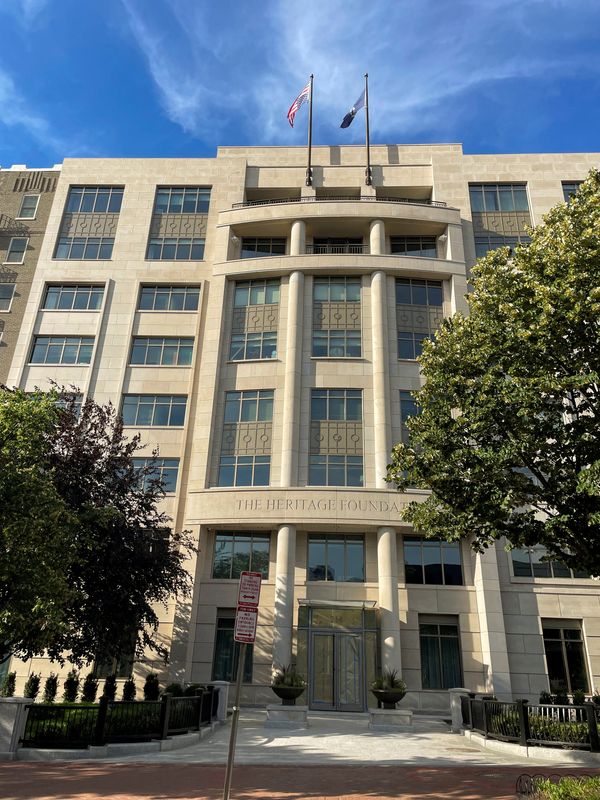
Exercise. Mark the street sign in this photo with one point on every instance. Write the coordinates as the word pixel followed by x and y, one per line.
pixel 245 624
pixel 249 591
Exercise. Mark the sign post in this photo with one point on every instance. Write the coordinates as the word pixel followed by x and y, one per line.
pixel 244 633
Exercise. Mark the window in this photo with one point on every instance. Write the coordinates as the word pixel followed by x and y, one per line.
pixel 227 651
pixel 330 470
pixel 412 292
pixel 182 200
pixel 336 329
pixel 154 410
pixel 483 244
pixel 336 404
pixel 62 350
pixel 248 346
pixel 72 401
pixel 169 298
pixel 94 199
pixel 7 291
pixel 336 558
pixel 84 248
pixel 336 344
pixel 258 248
pixel 175 249
pixel 254 410
pixel 336 290
pixel 76 297
pixel 244 471
pixel 336 449
pixel 16 250
pixel 29 206
pixel 565 656
pixel 408 408
pixel 423 246
pixel 256 293
pixel 440 652
pixel 157 350
pixel 415 325
pixel 432 561
pixel 490 197
pixel 120 665
pixel 165 469
pixel 238 551
pixel 570 188
pixel 533 562
pixel 249 406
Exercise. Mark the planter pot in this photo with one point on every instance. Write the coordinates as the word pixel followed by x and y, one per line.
pixel 288 694
pixel 389 697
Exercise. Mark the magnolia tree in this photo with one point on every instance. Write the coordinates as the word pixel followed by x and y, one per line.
pixel 507 438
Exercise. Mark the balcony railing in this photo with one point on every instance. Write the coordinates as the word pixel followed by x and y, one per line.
pixel 320 249
pixel 275 201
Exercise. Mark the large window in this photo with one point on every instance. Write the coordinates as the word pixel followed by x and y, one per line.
pixel 422 246
pixel 489 197
pixel 29 206
pixel 162 351
pixel 418 310
pixel 432 561
pixel 227 651
pixel 163 248
pixel 533 562
pixel 62 350
pixel 169 298
pixel 336 318
pixel 440 652
pixel 245 458
pixel 244 471
pixel 570 188
pixel 182 200
pixel 336 558
pixel 565 656
pixel 336 457
pixel 336 404
pixel 255 320
pixel 163 469
pixel 154 410
pixel 258 248
pixel 94 199
pixel 84 248
pixel 73 297
pixel 7 291
pixel 336 290
pixel 16 250
pixel 256 293
pixel 253 346
pixel 249 406
pixel 238 551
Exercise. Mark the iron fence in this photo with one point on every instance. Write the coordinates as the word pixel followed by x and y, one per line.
pixel 184 714
pixel 59 726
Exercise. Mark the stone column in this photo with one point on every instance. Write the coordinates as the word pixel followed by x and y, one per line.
pixel 387 575
pixel 284 595
pixel 291 386
pixel 377 237
pixel 381 386
pixel 491 624
pixel 298 238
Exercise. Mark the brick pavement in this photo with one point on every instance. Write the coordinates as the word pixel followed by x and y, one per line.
pixel 167 781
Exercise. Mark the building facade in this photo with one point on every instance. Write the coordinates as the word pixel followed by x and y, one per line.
pixel 26 197
pixel 263 334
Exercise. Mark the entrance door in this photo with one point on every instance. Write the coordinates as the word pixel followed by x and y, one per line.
pixel 336 671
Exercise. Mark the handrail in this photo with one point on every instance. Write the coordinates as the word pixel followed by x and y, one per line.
pixel 362 198
pixel 336 249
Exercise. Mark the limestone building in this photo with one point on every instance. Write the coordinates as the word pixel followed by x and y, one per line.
pixel 263 334
pixel 25 200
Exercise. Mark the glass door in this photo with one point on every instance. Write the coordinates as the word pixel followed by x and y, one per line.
pixel 336 682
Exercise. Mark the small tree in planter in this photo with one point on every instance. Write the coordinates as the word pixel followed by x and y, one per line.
pixel 32 686
pixel 110 687
pixel 71 687
pixel 389 688
pixel 50 688
pixel 129 690
pixel 90 689
pixel 288 685
pixel 8 685
pixel 151 687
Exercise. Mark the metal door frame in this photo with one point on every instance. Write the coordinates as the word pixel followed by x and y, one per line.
pixel 337 634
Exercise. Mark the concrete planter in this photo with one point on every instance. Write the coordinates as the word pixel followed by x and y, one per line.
pixel 288 694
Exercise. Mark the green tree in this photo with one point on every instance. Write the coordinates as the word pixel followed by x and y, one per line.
pixel 507 438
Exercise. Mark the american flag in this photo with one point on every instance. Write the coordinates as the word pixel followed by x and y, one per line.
pixel 304 95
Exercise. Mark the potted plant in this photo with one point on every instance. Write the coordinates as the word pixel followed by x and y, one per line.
pixel 288 685
pixel 389 688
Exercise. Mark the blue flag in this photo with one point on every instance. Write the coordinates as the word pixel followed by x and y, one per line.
pixel 353 111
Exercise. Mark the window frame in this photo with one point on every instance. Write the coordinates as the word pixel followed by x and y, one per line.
pixel 440 622
pixel 566 625
pixel 396 241
pixel 247 673
pixel 260 537
pixel 97 190
pixel 326 539
pixel 63 342
pixel 171 406
pixel 444 545
pixel 278 241
pixel 23 199
pixel 69 242
pixel 171 294
pixel 176 241
pixel 8 260
pixel 181 346
pixel 499 188
pixel 9 298
pixel 539 549
pixel 76 288
pixel 199 190
pixel 139 463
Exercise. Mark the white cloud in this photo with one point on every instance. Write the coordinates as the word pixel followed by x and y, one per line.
pixel 26 12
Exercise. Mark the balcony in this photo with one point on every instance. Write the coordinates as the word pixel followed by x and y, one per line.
pixel 336 248
pixel 366 198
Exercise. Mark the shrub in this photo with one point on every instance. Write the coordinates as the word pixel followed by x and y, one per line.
pixel 89 689
pixel 32 686
pixel 596 697
pixel 175 689
pixel 192 689
pixel 151 687
pixel 8 685
pixel 578 697
pixel 568 789
pixel 389 679
pixel 288 676
pixel 545 698
pixel 129 690
pixel 50 688
pixel 110 687
pixel 561 699
pixel 71 687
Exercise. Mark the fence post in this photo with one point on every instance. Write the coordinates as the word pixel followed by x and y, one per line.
pixel 590 710
pixel 524 734
pixel 165 713
pixel 199 694
pixel 99 730
pixel 485 717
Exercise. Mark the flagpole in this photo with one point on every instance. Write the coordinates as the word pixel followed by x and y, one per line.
pixel 368 177
pixel 309 167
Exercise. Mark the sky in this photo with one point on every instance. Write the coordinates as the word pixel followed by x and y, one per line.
pixel 178 78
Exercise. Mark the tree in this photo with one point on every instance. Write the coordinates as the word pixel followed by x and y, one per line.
pixel 508 435
pixel 115 559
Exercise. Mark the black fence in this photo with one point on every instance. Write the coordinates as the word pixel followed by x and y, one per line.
pixel 79 726
pixel 267 201
pixel 552 726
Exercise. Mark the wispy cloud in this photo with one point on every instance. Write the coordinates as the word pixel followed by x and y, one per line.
pixel 26 12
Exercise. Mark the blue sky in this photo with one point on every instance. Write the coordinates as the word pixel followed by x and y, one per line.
pixel 179 77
